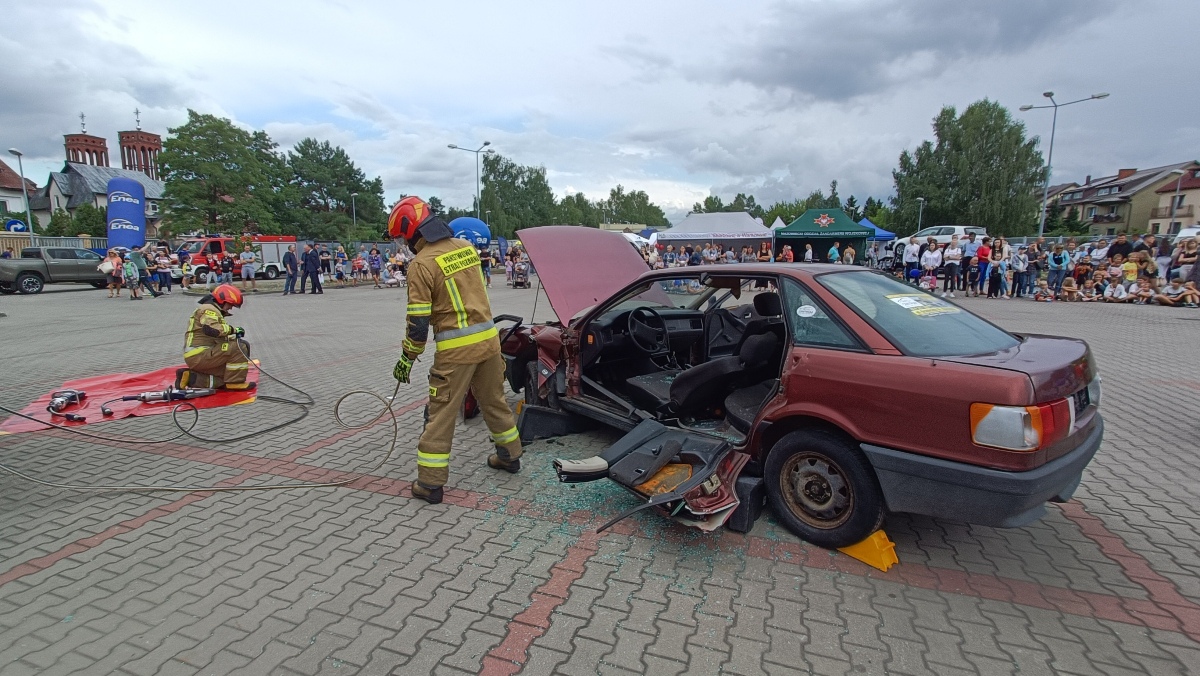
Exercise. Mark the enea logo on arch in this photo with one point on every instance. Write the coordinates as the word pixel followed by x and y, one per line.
pixel 122 196
pixel 122 224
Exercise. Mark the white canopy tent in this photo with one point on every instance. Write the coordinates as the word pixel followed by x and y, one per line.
pixel 715 227
pixel 778 223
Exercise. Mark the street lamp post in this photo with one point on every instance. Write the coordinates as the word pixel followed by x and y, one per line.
pixel 1050 155
pixel 25 191
pixel 920 211
pixel 354 210
pixel 477 151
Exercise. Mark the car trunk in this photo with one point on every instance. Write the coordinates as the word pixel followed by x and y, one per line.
pixel 1057 368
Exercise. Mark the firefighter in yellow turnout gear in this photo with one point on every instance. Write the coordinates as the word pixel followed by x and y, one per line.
pixel 447 293
pixel 210 347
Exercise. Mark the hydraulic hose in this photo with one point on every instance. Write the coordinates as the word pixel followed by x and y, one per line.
pixel 185 430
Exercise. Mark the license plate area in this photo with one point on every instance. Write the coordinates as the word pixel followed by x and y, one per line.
pixel 1081 400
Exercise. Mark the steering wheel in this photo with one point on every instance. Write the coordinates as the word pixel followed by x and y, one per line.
pixel 648 331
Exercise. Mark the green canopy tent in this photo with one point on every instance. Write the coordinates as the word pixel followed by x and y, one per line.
pixel 821 228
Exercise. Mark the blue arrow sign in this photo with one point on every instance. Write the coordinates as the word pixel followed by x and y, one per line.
pixel 14 225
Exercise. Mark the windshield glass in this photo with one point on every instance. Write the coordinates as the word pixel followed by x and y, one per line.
pixel 916 322
pixel 195 247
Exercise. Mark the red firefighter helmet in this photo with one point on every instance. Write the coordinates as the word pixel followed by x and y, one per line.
pixel 408 215
pixel 227 294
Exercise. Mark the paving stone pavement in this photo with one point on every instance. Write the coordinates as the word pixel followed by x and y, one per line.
pixel 508 576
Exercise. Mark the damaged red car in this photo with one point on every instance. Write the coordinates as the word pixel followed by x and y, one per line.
pixel 832 393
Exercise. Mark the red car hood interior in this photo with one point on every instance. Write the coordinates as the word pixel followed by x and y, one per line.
pixel 580 266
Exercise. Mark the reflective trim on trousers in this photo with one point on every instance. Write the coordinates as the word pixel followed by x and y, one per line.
pixel 508 436
pixel 470 339
pixel 194 351
pixel 433 459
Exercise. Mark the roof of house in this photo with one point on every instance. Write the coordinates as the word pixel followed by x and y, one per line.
pixel 80 183
pixel 1129 185
pixel 12 180
pixel 1190 181
pixel 1061 187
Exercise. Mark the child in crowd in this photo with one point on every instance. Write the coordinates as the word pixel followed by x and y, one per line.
pixel 1173 294
pixel 1115 266
pixel 1083 270
pixel 973 275
pixel 131 273
pixel 1043 291
pixel 1143 294
pixel 1129 273
pixel 1115 291
pixel 1088 293
pixel 1070 291
pixel 1192 295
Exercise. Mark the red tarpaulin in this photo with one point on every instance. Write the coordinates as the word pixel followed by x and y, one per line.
pixel 100 389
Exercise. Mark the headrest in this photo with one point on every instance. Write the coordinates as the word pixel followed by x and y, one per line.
pixel 768 304
pixel 758 349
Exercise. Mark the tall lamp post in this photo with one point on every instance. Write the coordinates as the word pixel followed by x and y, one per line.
pixel 920 211
pixel 1050 156
pixel 477 151
pixel 354 210
pixel 25 191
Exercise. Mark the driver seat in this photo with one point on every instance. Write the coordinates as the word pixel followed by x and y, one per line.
pixel 691 391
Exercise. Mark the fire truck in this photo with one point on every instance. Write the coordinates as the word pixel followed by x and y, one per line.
pixel 270 248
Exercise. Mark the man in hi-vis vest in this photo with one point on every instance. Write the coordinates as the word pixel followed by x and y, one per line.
pixel 447 292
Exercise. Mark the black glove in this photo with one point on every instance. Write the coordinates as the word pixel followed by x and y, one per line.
pixel 239 331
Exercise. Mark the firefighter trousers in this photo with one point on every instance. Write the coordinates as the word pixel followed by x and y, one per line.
pixel 222 360
pixel 448 385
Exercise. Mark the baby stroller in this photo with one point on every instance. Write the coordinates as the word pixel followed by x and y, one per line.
pixel 520 275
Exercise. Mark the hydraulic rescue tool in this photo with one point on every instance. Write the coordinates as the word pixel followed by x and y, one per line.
pixel 168 395
pixel 61 399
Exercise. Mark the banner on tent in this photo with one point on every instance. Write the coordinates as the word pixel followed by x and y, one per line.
pixel 699 236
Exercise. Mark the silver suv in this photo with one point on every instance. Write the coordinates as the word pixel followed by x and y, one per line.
pixel 941 233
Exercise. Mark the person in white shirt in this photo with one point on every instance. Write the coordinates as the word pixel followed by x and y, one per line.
pixel 912 254
pixel 931 260
pixel 952 257
pixel 1115 293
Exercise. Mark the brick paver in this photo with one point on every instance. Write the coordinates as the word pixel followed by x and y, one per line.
pixel 508 576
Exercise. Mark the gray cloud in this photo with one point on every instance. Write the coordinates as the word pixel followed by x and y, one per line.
pixel 839 50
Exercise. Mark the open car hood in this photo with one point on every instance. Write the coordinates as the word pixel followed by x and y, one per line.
pixel 573 281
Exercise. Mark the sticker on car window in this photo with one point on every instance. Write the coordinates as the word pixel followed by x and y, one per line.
pixel 923 305
pixel 806 311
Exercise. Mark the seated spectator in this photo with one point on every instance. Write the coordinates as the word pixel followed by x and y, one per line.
pixel 1115 266
pixel 1115 292
pixel 1069 290
pixel 1143 293
pixel 1088 293
pixel 1173 294
pixel 1192 295
pixel 1083 270
pixel 1129 272
pixel 1043 291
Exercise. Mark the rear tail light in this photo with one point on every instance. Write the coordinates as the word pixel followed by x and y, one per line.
pixel 1022 428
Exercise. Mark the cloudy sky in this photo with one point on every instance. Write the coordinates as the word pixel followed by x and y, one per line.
pixel 679 98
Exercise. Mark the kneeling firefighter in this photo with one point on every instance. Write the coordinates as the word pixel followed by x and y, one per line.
pixel 446 290
pixel 211 346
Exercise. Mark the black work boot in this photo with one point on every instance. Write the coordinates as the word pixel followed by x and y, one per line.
pixel 511 466
pixel 432 495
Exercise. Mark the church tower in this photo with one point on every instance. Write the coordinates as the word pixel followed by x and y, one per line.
pixel 140 149
pixel 85 148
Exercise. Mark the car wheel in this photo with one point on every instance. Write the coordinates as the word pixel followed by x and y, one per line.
pixel 531 385
pixel 272 273
pixel 822 488
pixel 30 284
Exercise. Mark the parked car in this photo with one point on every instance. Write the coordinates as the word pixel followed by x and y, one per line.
pixel 1191 232
pixel 842 392
pixel 941 233
pixel 42 265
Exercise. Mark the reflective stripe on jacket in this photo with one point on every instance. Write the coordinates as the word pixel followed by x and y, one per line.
pixel 206 328
pixel 448 294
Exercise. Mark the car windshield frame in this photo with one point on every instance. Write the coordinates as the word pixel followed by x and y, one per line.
pixel 937 310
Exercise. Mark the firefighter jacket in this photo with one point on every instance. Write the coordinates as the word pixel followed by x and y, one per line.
pixel 206 328
pixel 447 293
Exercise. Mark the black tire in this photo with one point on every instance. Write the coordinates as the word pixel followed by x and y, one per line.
pixel 531 385
pixel 99 285
pixel 30 283
pixel 271 273
pixel 822 488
